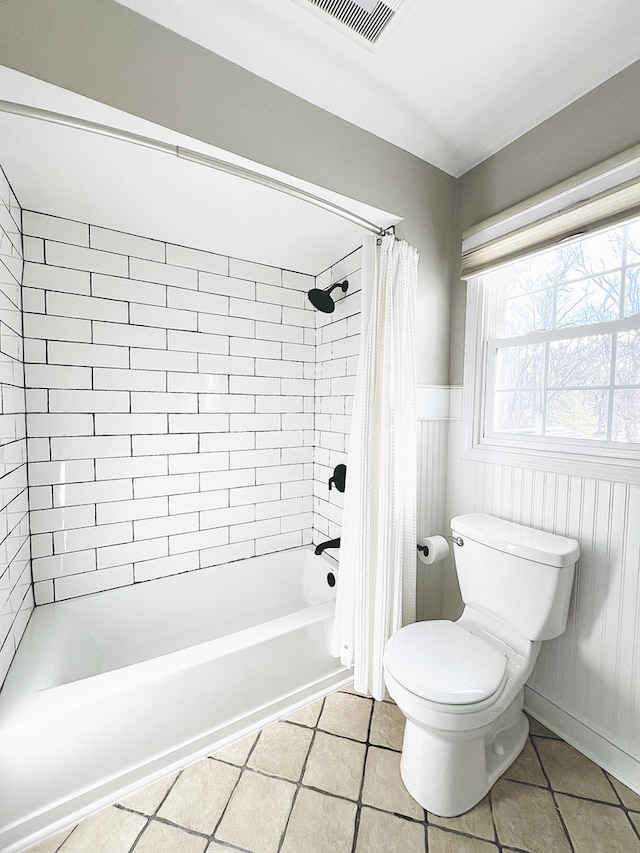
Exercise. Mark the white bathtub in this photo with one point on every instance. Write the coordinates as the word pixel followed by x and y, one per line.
pixel 112 690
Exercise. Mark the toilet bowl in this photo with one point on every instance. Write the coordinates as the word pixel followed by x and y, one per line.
pixel 461 684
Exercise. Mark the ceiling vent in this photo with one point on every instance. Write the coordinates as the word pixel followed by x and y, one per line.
pixel 365 21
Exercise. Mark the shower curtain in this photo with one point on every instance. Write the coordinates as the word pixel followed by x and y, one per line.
pixel 377 576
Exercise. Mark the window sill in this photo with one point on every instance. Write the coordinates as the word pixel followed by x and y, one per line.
pixel 572 461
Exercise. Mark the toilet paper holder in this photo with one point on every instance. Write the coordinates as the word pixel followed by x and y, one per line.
pixel 457 540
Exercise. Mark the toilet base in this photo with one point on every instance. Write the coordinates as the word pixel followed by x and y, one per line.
pixel 450 772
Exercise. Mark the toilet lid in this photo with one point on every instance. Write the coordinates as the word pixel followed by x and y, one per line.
pixel 442 662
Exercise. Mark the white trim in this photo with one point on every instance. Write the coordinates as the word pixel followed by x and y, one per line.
pixel 559 459
pixel 564 333
pixel 455 403
pixel 438 402
pixel 586 740
pixel 432 402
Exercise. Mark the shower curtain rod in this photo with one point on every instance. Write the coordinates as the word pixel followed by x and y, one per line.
pixel 191 156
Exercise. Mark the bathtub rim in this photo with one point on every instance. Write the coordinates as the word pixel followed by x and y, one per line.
pixel 16 697
pixel 94 801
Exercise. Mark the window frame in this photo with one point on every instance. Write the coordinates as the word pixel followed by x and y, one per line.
pixel 609 460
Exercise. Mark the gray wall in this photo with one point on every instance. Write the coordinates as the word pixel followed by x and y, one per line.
pixel 115 56
pixel 599 125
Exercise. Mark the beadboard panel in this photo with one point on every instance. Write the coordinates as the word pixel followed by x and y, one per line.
pixel 590 675
pixel 431 511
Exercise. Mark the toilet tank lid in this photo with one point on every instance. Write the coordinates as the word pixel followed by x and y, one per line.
pixel 512 538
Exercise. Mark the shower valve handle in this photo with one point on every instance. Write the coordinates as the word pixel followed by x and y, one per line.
pixel 339 478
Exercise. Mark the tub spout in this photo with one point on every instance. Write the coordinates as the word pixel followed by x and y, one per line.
pixel 331 543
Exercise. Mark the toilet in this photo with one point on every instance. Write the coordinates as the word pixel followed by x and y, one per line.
pixel 460 684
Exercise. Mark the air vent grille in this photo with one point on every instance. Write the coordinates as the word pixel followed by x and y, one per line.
pixel 365 20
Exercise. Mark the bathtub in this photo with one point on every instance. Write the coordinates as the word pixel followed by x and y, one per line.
pixel 113 690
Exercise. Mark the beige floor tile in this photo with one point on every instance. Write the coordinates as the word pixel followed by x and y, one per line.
pixel 308 715
pixel 320 823
pixel 381 832
pixel 149 798
pixel 573 773
pixel 160 837
pixel 257 813
pixel 335 765
pixel 198 798
pixel 635 820
pixel 281 750
pixel 441 841
pixel 536 728
pixel 387 725
pixel 347 715
pixel 597 828
pixel 111 830
pixel 630 799
pixel 526 818
pixel 477 821
pixel 349 688
pixel 383 787
pixel 51 844
pixel 237 752
pixel 527 768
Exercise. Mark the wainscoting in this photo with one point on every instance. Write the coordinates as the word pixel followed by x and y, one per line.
pixel 586 684
pixel 431 508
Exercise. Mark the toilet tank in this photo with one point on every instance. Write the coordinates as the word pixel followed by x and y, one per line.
pixel 520 574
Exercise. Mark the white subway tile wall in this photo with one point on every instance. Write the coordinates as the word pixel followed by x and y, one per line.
pixel 16 597
pixel 173 419
pixel 337 347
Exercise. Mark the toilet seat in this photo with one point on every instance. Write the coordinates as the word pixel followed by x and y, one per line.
pixel 442 662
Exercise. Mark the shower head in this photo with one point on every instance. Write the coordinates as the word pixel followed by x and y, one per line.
pixel 322 299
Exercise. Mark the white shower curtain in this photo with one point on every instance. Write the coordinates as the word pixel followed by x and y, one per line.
pixel 377 575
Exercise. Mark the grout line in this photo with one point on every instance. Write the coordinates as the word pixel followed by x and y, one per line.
pixel 68 831
pixel 564 826
pixel 496 835
pixel 359 803
pixel 140 834
pixel 167 822
pixel 302 772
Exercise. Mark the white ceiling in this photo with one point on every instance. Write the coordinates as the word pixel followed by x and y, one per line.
pixel 91 178
pixel 455 81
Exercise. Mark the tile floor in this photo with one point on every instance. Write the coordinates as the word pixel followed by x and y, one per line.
pixel 326 780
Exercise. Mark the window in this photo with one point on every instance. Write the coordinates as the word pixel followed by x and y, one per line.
pixel 557 349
